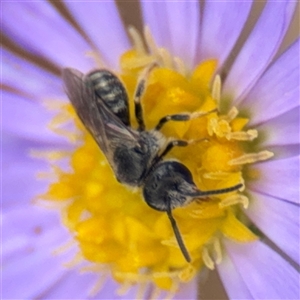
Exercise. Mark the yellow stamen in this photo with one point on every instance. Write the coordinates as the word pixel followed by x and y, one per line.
pixel 49 155
pixel 98 285
pixel 219 127
pixel 137 41
pixel 141 290
pixel 187 274
pixel 251 158
pixel 208 261
pixel 75 261
pixel 96 58
pixel 124 288
pixel 171 294
pixel 166 58
pixel 219 175
pixel 65 247
pixel 153 49
pixel 71 136
pixel 180 66
pixel 212 248
pixel 235 199
pixel 217 250
pixel 206 211
pixel 249 135
pixel 216 89
pixel 155 293
pixel 231 115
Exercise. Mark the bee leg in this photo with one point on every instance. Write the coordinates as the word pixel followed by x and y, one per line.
pixel 139 93
pixel 171 145
pixel 181 117
pixel 175 143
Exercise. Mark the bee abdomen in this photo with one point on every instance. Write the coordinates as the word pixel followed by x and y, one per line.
pixel 111 91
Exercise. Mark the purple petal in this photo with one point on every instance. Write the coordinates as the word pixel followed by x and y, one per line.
pixel 183 20
pixel 277 91
pixel 233 283
pixel 28 119
pixel 155 16
pixel 279 220
pixel 20 277
pixel 29 79
pixel 20 171
pixel 278 178
pixel 221 26
pixel 188 290
pixel 259 49
pixel 21 246
pixel 265 273
pixel 75 286
pixel 78 286
pixel 30 234
pixel 281 131
pixel 109 291
pixel 28 220
pixel 40 29
pixel 16 247
pixel 175 26
pixel 35 263
pixel 72 285
pixel 102 23
pixel 285 151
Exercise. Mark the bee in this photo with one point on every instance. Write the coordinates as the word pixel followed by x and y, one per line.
pixel 135 155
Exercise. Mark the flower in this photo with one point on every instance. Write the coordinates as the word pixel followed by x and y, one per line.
pixel 264 92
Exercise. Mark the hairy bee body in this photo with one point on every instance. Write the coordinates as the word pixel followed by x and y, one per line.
pixel 133 163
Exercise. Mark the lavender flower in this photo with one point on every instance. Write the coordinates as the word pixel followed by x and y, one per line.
pixel 115 246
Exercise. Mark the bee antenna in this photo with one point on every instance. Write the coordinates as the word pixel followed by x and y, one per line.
pixel 220 191
pixel 178 235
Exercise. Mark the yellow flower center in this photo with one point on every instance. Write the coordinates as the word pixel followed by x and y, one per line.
pixel 115 229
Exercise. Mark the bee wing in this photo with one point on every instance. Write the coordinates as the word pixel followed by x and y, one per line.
pixel 108 131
